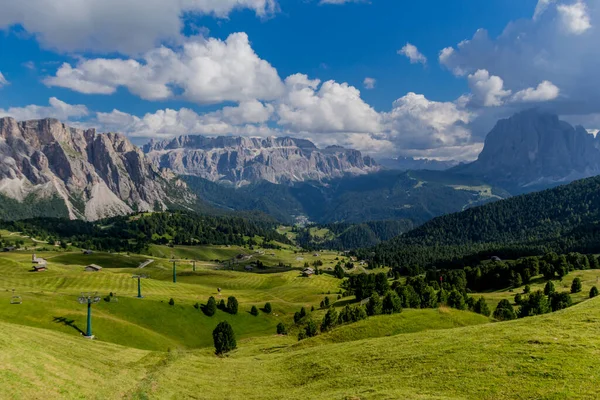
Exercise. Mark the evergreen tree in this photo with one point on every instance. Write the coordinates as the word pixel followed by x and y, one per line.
pixel 171 302
pixel 374 306
pixel 549 288
pixel 254 311
pixel 281 329
pixel 429 298
pixel 576 285
pixel 211 307
pixel 559 301
pixel 535 304
pixel 481 307
pixel 391 303
pixel 504 311
pixel 381 283
pixel 232 305
pixel 224 338
pixel 329 320
pixel 442 296
pixel 326 301
pixel 310 329
pixel 593 292
pixel 456 300
pixel 338 271
pixel 518 299
pixel 527 289
pixel 268 308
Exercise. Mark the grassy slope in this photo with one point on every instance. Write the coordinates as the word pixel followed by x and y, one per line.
pixel 552 356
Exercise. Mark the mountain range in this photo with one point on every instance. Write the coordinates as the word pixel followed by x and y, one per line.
pixel 240 161
pixel 50 169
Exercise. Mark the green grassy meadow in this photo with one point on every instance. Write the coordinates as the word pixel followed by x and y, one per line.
pixel 148 349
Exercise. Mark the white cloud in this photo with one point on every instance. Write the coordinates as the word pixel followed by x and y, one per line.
pixel 413 54
pixel 487 89
pixel 544 49
pixel 369 83
pixel 57 109
pixel 421 127
pixel 545 91
pixel 3 81
pixel 206 71
pixel 574 17
pixel 541 6
pixel 125 26
pixel 311 106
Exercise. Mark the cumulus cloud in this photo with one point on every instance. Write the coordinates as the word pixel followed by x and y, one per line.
pixel 545 91
pixel 369 83
pixel 308 105
pixel 421 127
pixel 413 54
pixel 3 81
pixel 57 109
pixel 125 26
pixel 487 89
pixel 574 17
pixel 206 71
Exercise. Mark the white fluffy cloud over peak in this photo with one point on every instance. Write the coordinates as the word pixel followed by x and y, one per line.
pixel 311 106
pixel 545 91
pixel 205 71
pixel 487 89
pixel 413 54
pixel 56 109
pixel 421 127
pixel 557 47
pixel 124 26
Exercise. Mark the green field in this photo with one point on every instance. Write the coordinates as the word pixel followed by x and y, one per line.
pixel 148 349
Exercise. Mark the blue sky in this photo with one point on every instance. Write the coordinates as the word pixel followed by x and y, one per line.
pixel 116 77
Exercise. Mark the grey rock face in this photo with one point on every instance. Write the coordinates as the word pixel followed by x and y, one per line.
pixel 536 148
pixel 97 175
pixel 241 160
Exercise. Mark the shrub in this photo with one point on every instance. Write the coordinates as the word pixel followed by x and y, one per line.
pixel 527 289
pixel 224 338
pixel 268 308
pixel 593 292
pixel 232 305
pixel 211 307
pixel 310 329
pixel 281 329
pixel 171 302
pixel 222 305
pixel 576 285
pixel 254 311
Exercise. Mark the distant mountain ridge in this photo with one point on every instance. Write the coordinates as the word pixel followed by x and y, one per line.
pixel 534 149
pixel 93 175
pixel 241 160
pixel 410 163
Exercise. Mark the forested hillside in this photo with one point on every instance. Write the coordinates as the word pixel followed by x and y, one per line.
pixel 562 219
pixel 135 233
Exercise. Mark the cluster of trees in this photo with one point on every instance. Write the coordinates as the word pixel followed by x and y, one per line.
pixel 561 220
pixel 134 234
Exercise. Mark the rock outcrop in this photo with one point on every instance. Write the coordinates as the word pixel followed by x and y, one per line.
pixel 240 160
pixel 97 175
pixel 533 149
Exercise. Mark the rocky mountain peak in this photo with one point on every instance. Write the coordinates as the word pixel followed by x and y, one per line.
pixel 534 147
pixel 95 175
pixel 243 160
